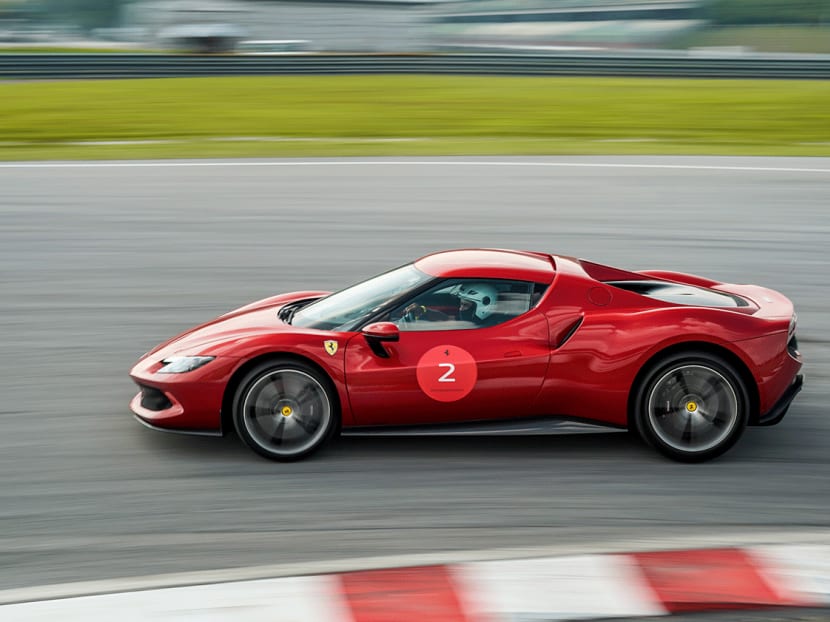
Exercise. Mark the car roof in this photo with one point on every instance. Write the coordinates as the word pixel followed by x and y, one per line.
pixel 493 263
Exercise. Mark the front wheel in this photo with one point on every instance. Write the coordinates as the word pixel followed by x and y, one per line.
pixel 692 406
pixel 285 410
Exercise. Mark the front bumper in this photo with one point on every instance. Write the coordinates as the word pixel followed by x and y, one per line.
pixel 189 403
pixel 777 412
pixel 164 419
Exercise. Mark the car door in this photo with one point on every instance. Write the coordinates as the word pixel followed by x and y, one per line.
pixel 449 368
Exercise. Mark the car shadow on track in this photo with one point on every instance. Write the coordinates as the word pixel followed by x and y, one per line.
pixel 490 446
pixel 607 446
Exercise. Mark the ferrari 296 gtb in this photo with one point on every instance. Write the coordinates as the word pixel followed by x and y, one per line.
pixel 486 339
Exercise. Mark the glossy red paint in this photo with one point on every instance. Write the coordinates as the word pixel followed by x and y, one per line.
pixel 385 331
pixel 577 353
pixel 512 365
pixel 492 263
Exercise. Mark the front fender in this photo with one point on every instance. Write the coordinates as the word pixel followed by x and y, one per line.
pixel 308 345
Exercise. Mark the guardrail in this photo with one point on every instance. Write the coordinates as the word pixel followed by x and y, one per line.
pixel 70 66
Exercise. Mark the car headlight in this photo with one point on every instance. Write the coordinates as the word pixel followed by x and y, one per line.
pixel 793 323
pixel 182 364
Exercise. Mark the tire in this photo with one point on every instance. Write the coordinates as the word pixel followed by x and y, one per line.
pixel 691 406
pixel 285 410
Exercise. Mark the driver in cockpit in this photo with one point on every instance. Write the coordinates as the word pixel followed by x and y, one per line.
pixel 476 302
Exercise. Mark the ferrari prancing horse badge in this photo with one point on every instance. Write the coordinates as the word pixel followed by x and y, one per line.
pixel 331 347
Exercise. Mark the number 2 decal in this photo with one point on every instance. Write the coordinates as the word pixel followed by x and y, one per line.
pixel 450 370
pixel 447 373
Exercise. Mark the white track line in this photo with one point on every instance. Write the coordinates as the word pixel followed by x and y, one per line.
pixel 319 163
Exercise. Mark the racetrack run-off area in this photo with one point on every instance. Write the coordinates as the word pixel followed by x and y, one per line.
pixel 101 261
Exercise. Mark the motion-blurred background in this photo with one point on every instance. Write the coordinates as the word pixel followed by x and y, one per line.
pixel 736 26
pixel 639 133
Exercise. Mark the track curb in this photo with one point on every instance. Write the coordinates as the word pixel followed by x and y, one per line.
pixel 642 583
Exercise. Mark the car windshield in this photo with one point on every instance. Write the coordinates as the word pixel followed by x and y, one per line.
pixel 345 308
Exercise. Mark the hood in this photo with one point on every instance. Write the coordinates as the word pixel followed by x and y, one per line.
pixel 253 319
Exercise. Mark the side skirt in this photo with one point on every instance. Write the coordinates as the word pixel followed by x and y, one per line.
pixel 522 427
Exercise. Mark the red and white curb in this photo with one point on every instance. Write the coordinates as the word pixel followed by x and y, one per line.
pixel 552 588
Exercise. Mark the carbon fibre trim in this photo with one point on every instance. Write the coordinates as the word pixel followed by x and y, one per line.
pixel 215 433
pixel 518 427
pixel 777 412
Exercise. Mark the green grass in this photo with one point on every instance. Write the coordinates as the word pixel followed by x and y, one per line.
pixel 784 38
pixel 438 115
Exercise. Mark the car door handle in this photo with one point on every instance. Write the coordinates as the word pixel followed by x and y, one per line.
pixel 512 354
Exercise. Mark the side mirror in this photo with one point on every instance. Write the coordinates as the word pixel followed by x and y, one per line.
pixel 378 333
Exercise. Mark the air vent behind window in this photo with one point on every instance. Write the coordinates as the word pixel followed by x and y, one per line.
pixel 678 293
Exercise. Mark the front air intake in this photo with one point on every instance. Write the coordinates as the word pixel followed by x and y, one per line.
pixel 153 399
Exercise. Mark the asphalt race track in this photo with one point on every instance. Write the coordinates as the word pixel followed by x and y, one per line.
pixel 99 263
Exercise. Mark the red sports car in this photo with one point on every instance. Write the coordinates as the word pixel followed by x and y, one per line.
pixel 486 339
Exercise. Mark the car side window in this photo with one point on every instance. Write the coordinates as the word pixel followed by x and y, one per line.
pixel 464 304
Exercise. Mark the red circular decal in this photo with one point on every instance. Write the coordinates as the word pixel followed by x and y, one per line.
pixel 447 373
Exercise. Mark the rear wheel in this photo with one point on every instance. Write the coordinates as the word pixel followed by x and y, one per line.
pixel 692 406
pixel 285 410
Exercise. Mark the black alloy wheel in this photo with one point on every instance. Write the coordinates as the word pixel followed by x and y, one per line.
pixel 285 409
pixel 691 406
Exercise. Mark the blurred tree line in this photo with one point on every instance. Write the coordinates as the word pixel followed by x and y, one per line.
pixel 84 14
pixel 734 12
pixel 89 14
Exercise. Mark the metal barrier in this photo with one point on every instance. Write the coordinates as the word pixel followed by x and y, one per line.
pixel 73 66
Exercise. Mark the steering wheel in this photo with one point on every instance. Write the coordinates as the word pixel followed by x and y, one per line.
pixel 409 316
